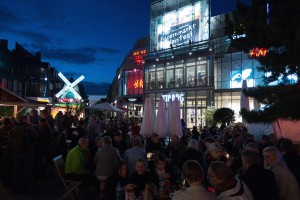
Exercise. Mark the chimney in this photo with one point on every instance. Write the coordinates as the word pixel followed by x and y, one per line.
pixel 3 44
pixel 38 56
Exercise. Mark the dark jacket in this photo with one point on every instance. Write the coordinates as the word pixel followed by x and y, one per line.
pixel 292 159
pixel 261 182
pixel 189 154
pixel 111 185
pixel 140 181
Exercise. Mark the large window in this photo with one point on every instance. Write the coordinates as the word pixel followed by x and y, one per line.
pixel 233 68
pixel 170 78
pixel 179 77
pixel 201 74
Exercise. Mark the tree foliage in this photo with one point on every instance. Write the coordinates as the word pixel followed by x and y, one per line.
pixel 279 32
pixel 209 116
pixel 224 115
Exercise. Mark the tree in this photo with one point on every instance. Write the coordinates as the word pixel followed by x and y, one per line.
pixel 278 31
pixel 209 116
pixel 224 115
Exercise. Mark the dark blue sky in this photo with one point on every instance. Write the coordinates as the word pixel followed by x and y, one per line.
pixel 81 37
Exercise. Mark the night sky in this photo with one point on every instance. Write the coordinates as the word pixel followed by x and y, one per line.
pixel 81 37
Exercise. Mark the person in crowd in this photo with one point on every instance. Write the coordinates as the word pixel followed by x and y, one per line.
pixel 68 121
pixel 226 185
pixel 119 143
pixel 186 136
pixel 290 157
pixel 91 165
pixel 140 177
pixel 195 133
pixel 245 133
pixel 264 142
pixel 13 121
pixel 286 181
pixel 59 121
pixel 218 139
pixel 21 140
pixel 119 175
pixel 47 115
pixel 273 139
pixel 34 117
pixel 6 162
pixel 227 133
pixel 154 145
pixel 215 154
pixel 261 182
pixel 190 153
pixel 4 131
pixel 81 129
pixel 193 174
pixel 135 128
pixel 204 144
pixel 254 146
pixel 42 149
pixel 111 127
pixel 75 166
pixel 93 130
pixel 174 148
pixel 237 143
pixel 162 170
pixel 134 153
pixel 233 147
pixel 106 158
pixel 204 133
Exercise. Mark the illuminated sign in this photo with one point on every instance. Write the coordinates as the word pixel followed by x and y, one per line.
pixel 258 52
pixel 238 36
pixel 138 58
pixel 134 82
pixel 172 96
pixel 139 53
pixel 67 100
pixel 138 83
pixel 69 87
pixel 181 25
pixel 181 34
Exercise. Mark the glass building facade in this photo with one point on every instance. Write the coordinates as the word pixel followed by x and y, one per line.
pixel 203 72
pixel 189 56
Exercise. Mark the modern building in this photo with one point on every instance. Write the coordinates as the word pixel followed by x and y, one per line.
pixel 191 57
pixel 127 88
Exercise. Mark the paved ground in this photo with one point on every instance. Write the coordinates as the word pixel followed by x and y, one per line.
pixel 49 189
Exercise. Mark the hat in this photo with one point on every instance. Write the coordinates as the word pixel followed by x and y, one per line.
pixel 213 146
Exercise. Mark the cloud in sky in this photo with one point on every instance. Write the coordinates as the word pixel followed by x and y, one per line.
pixel 89 37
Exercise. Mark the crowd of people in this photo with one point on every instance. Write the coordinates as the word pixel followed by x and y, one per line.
pixel 205 163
